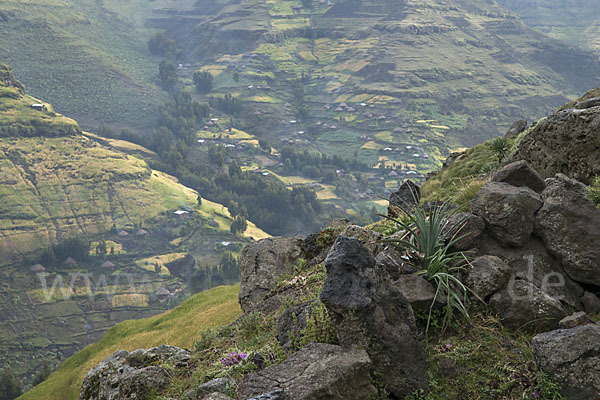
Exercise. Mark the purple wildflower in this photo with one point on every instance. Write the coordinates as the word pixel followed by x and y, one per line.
pixel 233 358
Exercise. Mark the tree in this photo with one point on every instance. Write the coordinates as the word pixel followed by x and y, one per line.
pixel 499 147
pixel 239 225
pixel 236 77
pixel 10 387
pixel 43 374
pixel 159 45
pixel 264 145
pixel 203 81
pixel 167 73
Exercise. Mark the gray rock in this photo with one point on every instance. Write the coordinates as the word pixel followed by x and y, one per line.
pixel 216 396
pixel 464 224
pixel 488 275
pixel 418 292
pixel 290 325
pixel 129 376
pixel 591 303
pixel 391 260
pixel 262 264
pixel 274 395
pixel 508 211
pixel 569 225
pixel 368 311
pixel 219 385
pixel 407 195
pixel 520 174
pixel 534 264
pixel 571 357
pixel 522 305
pixel 516 128
pixel 369 238
pixel 318 371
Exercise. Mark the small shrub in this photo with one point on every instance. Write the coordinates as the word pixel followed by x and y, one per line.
pixel 546 388
pixel 466 193
pixel 207 338
pixel 593 192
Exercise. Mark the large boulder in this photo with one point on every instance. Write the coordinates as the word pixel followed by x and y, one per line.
pixel 488 275
pixel 571 357
pixel 566 142
pixel 263 264
pixel 407 195
pixel 316 372
pixel 522 305
pixel 569 224
pixel 508 211
pixel 519 174
pixel 133 376
pixel 534 264
pixel 368 311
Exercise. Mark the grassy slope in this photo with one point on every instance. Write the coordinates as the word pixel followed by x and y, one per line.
pixel 88 57
pixel 55 187
pixel 178 327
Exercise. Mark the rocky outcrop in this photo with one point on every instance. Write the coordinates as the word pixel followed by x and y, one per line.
pixel 508 211
pixel 133 376
pixel 318 371
pixel 571 357
pixel 569 224
pixel 368 311
pixel 565 142
pixel 262 264
pixel 291 323
pixel 488 275
pixel 369 238
pixel 520 174
pixel 391 260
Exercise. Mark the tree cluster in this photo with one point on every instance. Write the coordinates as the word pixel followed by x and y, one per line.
pixel 203 81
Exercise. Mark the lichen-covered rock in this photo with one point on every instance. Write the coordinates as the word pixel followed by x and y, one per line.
pixel 566 142
pixel 262 264
pixel 576 319
pixel 569 225
pixel 571 357
pixel 133 376
pixel 367 310
pixel 370 239
pixel 519 174
pixel 522 305
pixel 214 388
pixel 317 371
pixel 508 211
pixel 488 275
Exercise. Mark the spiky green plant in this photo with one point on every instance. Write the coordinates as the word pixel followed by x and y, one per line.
pixel 427 245
pixel 499 147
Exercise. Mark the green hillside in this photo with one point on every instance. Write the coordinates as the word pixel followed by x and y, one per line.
pixel 89 58
pixel 179 327
pixel 72 194
pixel 575 21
